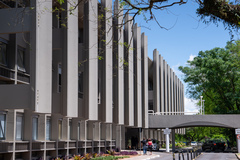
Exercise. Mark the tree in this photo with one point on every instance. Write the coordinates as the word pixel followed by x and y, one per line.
pixel 215 75
pixel 226 11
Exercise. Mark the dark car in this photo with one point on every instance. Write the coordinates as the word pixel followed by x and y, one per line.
pixel 214 145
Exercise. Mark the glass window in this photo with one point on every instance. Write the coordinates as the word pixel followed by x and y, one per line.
pixel 48 128
pixel 2 126
pixel 34 128
pixel 60 129
pixel 59 77
pixel 21 59
pixel 19 127
pixel 3 53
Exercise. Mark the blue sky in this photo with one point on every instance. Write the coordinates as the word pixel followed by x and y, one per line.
pixel 184 39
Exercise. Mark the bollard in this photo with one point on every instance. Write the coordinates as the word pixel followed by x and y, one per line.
pixel 182 155
pixel 191 154
pixel 187 155
pixel 173 156
pixel 179 157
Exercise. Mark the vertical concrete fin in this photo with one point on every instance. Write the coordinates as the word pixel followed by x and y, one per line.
pixel 107 52
pixel 70 62
pixel 161 87
pixel 41 56
pixel 90 75
pixel 137 76
pixel 118 65
pixel 156 82
pixel 128 77
pixel 144 50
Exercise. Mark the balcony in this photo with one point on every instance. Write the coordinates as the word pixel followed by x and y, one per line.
pixel 8 75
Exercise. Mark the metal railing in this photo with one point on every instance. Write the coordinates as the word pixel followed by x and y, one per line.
pixel 169 113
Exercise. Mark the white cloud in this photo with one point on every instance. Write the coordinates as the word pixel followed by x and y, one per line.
pixel 191 57
pixel 176 70
pixel 190 106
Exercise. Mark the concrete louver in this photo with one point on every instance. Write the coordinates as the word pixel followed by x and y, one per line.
pixel 137 76
pixel 156 88
pixel 41 48
pixel 128 76
pixel 70 62
pixel 144 51
pixel 90 74
pixel 118 66
pixel 106 50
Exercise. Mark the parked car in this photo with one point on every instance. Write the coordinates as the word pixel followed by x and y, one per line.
pixel 214 145
pixel 193 143
pixel 155 145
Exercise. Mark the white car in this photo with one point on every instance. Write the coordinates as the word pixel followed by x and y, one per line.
pixel 193 143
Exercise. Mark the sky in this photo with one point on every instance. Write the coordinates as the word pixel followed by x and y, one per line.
pixel 185 37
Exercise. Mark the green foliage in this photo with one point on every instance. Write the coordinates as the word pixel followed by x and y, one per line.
pixel 60 2
pixel 215 75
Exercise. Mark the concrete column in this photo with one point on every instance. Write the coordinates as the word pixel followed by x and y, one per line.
pixel 144 50
pixel 173 140
pixel 174 93
pixel 41 56
pixel 165 87
pixel 118 137
pixel 156 92
pixel 137 76
pixel 118 68
pixel 161 79
pixel 128 77
pixel 70 61
pixel 177 106
pixel 183 98
pixel 90 74
pixel 169 89
pixel 123 137
pixel 106 50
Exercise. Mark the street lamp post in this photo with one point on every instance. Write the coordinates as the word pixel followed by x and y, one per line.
pixel 201 104
pixel 203 107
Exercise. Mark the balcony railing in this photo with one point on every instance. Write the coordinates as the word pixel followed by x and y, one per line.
pixel 7 72
pixel 23 77
pixel 6 147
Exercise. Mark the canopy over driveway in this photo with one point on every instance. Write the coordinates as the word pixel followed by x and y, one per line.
pixel 182 121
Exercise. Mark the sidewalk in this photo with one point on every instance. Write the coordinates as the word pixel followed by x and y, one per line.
pixel 143 157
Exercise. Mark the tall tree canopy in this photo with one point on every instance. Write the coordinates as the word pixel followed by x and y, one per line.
pixel 215 74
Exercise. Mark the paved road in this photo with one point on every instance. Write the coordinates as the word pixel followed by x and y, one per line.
pixel 217 156
pixel 203 156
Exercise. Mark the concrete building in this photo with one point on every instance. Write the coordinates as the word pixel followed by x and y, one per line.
pixel 73 81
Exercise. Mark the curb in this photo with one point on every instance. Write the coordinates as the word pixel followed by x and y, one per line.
pixel 238 157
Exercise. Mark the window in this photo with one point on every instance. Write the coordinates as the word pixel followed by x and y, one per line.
pixel 59 77
pixel 60 129
pixel 19 127
pixel 48 128
pixel 35 128
pixel 3 52
pixel 21 59
pixel 2 126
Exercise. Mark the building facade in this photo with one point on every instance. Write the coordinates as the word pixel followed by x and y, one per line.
pixel 77 80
